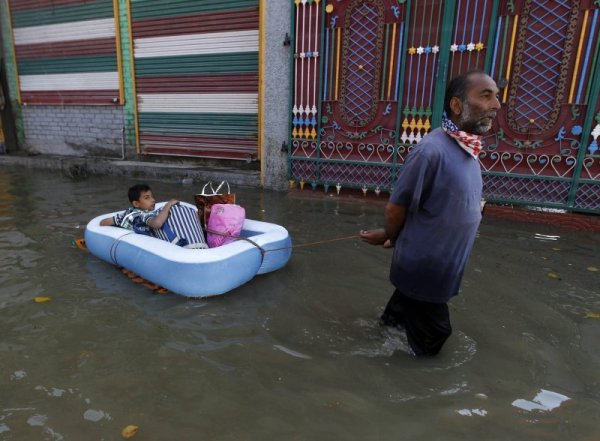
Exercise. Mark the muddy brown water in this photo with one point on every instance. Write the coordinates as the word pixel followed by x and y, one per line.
pixel 292 355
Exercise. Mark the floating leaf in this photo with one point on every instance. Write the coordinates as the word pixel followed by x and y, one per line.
pixel 41 299
pixel 592 269
pixel 553 276
pixel 129 431
pixel 555 249
pixel 595 315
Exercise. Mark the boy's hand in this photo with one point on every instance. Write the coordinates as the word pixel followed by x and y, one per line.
pixel 158 221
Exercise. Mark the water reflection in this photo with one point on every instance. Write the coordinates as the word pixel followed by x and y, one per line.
pixel 545 400
pixel 295 354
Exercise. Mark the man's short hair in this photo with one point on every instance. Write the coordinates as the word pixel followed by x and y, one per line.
pixel 136 191
pixel 457 87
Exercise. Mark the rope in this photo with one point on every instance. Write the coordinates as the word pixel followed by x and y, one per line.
pixel 80 243
pixel 221 233
pixel 113 248
pixel 319 242
pixel 263 251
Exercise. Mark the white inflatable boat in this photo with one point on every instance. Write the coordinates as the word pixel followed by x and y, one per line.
pixel 192 272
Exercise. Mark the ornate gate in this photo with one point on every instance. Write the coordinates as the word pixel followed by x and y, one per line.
pixel 369 78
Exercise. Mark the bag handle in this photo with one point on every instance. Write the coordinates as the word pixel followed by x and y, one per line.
pixel 220 185
pixel 203 193
pixel 212 189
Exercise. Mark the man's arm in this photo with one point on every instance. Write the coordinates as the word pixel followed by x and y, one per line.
pixel 395 215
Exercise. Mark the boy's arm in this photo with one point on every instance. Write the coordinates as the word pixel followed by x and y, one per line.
pixel 158 221
pixel 107 222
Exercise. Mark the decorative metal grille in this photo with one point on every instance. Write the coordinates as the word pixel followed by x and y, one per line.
pixel 518 189
pixel 361 70
pixel 541 65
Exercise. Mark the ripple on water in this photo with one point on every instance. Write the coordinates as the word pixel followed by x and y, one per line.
pixel 94 415
pixel 16 261
pixel 387 341
pixel 37 420
pixel 545 400
pixel 382 341
pixel 44 417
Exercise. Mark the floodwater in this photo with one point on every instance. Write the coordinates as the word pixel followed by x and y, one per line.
pixel 292 355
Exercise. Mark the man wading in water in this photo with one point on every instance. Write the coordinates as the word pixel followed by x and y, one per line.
pixel 434 212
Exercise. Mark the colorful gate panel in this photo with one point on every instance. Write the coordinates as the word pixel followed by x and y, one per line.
pixel 66 51
pixel 196 74
pixel 422 65
pixel 470 44
pixel 349 135
pixel 382 68
pixel 544 53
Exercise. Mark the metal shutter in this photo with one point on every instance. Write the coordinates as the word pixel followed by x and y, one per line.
pixel 196 74
pixel 65 51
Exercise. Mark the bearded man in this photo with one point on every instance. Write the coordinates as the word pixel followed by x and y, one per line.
pixel 433 214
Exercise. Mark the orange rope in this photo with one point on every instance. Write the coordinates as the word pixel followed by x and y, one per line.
pixel 319 242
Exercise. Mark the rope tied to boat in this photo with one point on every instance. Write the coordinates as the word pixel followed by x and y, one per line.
pixel 224 234
pixel 80 243
pixel 263 251
pixel 113 247
pixel 318 242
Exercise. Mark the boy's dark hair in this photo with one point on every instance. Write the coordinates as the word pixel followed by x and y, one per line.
pixel 457 87
pixel 136 191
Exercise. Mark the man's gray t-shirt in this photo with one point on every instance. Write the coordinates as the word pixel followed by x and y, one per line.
pixel 440 185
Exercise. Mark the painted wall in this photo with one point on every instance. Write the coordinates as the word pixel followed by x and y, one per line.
pixel 68 128
pixel 276 74
pixel 74 130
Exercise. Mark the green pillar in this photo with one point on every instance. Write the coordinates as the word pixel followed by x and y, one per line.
pixel 587 128
pixel 10 64
pixel 129 108
pixel 442 73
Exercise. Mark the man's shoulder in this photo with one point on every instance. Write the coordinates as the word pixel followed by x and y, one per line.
pixel 436 143
pixel 435 137
pixel 432 144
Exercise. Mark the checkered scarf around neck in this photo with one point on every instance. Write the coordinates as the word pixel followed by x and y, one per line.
pixel 467 141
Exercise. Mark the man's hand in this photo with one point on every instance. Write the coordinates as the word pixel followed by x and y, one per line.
pixel 375 237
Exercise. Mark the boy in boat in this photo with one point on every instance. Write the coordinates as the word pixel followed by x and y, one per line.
pixel 142 215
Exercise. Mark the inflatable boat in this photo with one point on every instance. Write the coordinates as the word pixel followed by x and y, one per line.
pixel 192 272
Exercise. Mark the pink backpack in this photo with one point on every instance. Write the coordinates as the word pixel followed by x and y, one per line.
pixel 224 224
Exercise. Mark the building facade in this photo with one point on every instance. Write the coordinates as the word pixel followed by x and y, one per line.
pixel 331 94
